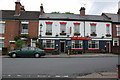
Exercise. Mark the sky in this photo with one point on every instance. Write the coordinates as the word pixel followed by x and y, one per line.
pixel 93 7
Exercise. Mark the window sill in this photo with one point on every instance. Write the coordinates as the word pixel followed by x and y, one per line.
pixel 48 33
pixel 93 48
pixel 76 48
pixel 62 33
pixel 24 33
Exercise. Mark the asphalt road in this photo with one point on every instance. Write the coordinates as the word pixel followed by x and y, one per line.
pixel 57 66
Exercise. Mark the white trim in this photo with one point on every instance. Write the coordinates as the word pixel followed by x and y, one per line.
pixel 104 39
pixel 24 33
pixel 25 22
pixel 2 38
pixel 56 38
pixel 2 21
pixel 12 41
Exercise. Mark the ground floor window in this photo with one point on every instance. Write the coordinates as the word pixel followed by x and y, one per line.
pixel 116 42
pixel 77 44
pixel 93 44
pixel 1 43
pixel 48 43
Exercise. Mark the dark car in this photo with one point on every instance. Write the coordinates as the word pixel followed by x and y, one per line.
pixel 27 52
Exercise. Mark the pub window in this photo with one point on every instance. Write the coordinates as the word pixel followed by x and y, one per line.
pixel 93 44
pixel 48 43
pixel 77 44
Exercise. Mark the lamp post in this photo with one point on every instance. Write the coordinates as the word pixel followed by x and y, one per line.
pixel 40 29
pixel 40 35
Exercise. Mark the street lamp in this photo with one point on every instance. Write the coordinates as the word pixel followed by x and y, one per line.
pixel 40 35
pixel 40 29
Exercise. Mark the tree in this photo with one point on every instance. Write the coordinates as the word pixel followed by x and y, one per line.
pixel 19 43
pixel 68 13
pixel 55 12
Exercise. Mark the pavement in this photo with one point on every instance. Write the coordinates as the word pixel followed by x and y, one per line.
pixel 100 75
pixel 86 55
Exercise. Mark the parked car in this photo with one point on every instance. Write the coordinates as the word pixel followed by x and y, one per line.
pixel 27 52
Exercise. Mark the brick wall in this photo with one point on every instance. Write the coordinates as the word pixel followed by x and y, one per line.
pixel 33 29
pixel 11 30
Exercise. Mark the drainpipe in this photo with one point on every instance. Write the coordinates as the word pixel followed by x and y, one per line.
pixel 84 40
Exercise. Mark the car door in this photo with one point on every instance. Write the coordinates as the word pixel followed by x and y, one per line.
pixel 24 51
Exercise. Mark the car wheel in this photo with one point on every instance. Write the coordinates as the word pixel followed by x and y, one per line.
pixel 37 55
pixel 13 55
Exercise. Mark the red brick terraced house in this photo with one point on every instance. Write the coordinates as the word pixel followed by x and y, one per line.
pixel 87 33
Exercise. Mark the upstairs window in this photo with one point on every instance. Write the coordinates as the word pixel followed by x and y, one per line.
pixel 2 27
pixel 76 28
pixel 62 28
pixel 118 30
pixel 49 28
pixel 93 29
pixel 93 44
pixel 24 28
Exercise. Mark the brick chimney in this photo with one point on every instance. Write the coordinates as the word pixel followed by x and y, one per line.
pixel 18 7
pixel 118 8
pixel 41 9
pixel 82 11
pixel 118 11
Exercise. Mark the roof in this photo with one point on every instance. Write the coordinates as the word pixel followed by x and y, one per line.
pixel 112 17
pixel 63 16
pixel 25 15
pixel 35 15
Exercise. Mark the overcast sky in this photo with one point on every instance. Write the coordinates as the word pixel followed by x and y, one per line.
pixel 95 7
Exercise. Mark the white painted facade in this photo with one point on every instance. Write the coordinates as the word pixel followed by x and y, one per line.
pixel 100 28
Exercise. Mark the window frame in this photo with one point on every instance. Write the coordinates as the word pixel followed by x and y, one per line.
pixel 118 30
pixel 90 42
pixel 24 31
pixel 3 27
pixel 52 44
pixel 79 43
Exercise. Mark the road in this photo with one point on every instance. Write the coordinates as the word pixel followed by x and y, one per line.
pixel 57 66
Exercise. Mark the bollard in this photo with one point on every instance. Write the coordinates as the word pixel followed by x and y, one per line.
pixel 118 71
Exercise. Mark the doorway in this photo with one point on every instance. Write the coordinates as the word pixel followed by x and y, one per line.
pixel 62 47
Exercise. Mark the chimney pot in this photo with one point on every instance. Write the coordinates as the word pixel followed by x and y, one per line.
pixel 41 9
pixel 82 11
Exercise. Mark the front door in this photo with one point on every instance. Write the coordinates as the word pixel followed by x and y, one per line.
pixel 62 46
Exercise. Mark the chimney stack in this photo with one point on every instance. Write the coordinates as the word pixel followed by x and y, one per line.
pixel 18 7
pixel 41 9
pixel 82 11
pixel 118 8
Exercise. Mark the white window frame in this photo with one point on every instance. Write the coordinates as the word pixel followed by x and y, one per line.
pixel 62 28
pixel 118 26
pixel 93 30
pixel 24 23
pixel 107 29
pixel 90 43
pixel 52 44
pixel 1 42
pixel 76 28
pixel 80 43
pixel 48 28
pixel 115 41
pixel 3 27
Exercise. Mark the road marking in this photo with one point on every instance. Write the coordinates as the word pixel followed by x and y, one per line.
pixel 57 76
pixel 65 76
pixel 9 75
pixel 19 75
